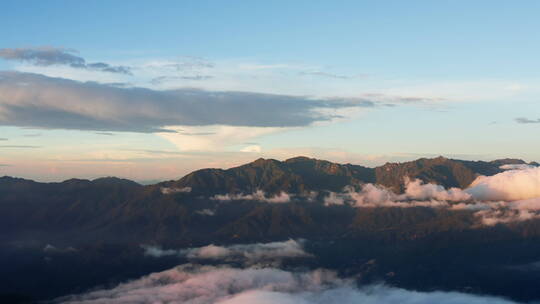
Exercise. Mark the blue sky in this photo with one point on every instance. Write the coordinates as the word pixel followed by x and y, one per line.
pixel 350 81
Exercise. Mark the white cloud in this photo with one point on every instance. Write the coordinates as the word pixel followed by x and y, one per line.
pixel 207 212
pixel 508 212
pixel 216 137
pixel 509 185
pixel 252 149
pixel 166 190
pixel 507 197
pixel 258 195
pixel 197 284
pixel 248 254
pixel 53 249
pixel 516 167
pixel 415 189
pixel 158 252
pixel 416 194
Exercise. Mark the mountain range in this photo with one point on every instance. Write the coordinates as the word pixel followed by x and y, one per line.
pixel 120 210
pixel 84 231
pixel 300 174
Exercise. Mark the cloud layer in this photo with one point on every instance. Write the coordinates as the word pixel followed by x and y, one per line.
pixel 248 254
pixel 258 195
pixel 208 284
pixel 46 56
pixel 509 185
pixel 524 120
pixel 510 196
pixel 33 100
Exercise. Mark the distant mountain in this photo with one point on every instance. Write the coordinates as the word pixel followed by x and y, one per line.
pixel 97 226
pixel 116 209
pixel 302 174
pixel 295 175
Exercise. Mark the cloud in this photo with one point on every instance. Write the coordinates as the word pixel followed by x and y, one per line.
pixel 248 254
pixel 3 139
pixel 252 253
pixel 252 149
pixel 33 100
pixel 157 152
pixel 258 195
pixel 166 190
pixel 416 194
pixel 19 146
pixel 46 56
pixel 507 197
pixel 509 185
pixel 163 79
pixel 329 75
pixel 534 266
pixel 53 249
pixel 206 212
pixel 508 212
pixel 255 67
pixel 158 252
pixel 210 284
pixel 183 64
pixel 523 120
pixel 417 190
pixel 105 133
pixel 33 135
pixel 516 166
pixel 214 138
pixel 183 133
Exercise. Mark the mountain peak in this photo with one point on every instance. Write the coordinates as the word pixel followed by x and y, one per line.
pixel 300 159
pixel 508 161
pixel 111 180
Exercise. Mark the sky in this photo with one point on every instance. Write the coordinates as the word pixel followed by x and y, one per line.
pixel 153 90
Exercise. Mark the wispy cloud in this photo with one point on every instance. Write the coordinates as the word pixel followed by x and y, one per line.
pixel 330 75
pixel 105 133
pixel 166 190
pixel 156 152
pixel 46 56
pixel 248 254
pixel 19 146
pixel 33 135
pixel 258 195
pixel 523 120
pixel 186 63
pixel 163 79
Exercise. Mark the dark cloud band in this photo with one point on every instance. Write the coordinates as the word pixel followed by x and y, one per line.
pixel 523 120
pixel 33 100
pixel 45 56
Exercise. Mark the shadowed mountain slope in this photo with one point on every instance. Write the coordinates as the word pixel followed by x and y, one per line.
pixel 302 174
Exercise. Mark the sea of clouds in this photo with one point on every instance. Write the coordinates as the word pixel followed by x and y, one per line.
pixel 513 195
pixel 199 284
pixel 254 280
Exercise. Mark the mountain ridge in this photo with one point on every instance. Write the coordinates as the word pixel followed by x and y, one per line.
pixel 302 174
pixel 101 224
